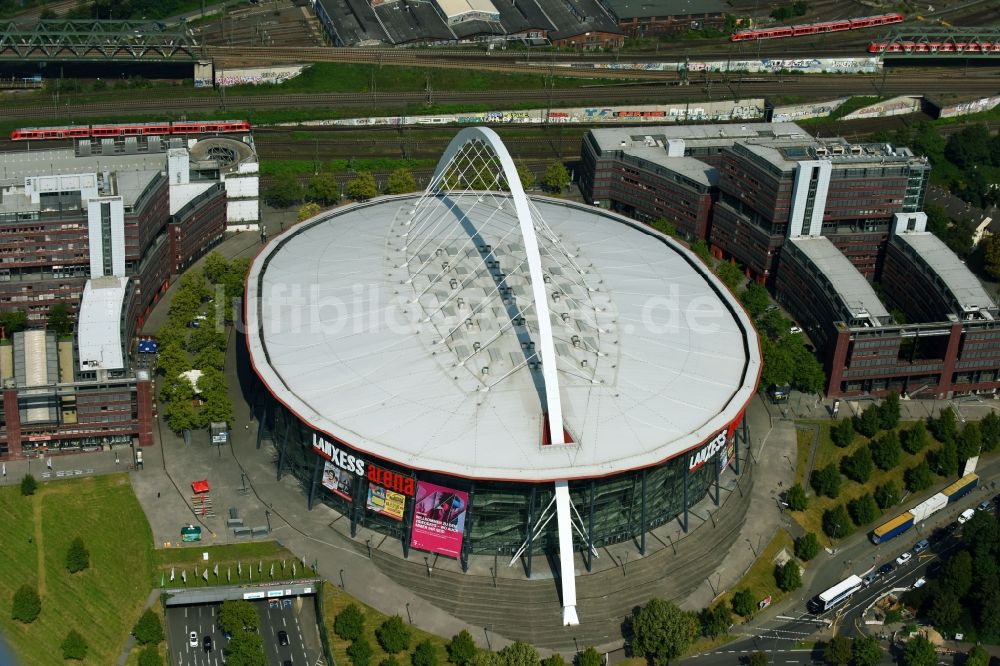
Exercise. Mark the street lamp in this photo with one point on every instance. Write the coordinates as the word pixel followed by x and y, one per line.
pixel 342 586
pixel 408 616
pixel 267 516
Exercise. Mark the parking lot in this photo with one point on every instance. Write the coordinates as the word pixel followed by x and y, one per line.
pixel 296 617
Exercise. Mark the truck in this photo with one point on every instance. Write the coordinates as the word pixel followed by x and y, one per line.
pixel 961 487
pixel 893 528
pixel 929 506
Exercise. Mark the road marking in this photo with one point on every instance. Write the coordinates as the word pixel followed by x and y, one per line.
pixel 786 617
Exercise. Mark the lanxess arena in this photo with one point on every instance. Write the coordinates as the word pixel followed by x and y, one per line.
pixel 471 370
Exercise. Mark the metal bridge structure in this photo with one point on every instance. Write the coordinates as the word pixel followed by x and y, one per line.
pixel 916 42
pixel 67 40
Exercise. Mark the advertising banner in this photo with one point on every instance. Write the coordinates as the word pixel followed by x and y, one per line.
pixel 337 480
pixel 386 502
pixel 727 454
pixel 439 519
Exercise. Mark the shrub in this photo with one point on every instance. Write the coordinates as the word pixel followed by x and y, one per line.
pixel 27 604
pixel 389 661
pixel 150 656
pixel 715 621
pixel 74 646
pixel 425 654
pixel 788 576
pixel 888 412
pixel 28 485
pixel 148 630
pixel 842 433
pixel 796 498
pixel 838 651
pixel 519 654
pixel 393 635
pixel 461 649
pixel 886 450
pixel 360 652
pixel 868 423
pixel 77 557
pixel 990 427
pixel 945 426
pixel 945 460
pixel 826 481
pixel 806 547
pixel 744 603
pixel 590 657
pixel 759 659
pixel 919 477
pixel 349 623
pixel 916 438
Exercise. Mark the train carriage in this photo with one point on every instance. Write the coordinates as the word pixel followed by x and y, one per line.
pixel 131 129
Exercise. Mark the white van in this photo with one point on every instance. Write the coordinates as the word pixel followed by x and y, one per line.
pixel 966 516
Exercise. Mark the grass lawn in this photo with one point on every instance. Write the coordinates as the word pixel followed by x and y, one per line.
pixel 133 655
pixel 37 532
pixel 335 601
pixel 827 452
pixel 803 442
pixel 238 557
pixel 760 577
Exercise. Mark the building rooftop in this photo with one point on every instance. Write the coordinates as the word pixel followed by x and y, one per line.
pixel 624 138
pixel 577 17
pixel 435 366
pixel 688 167
pixel 456 8
pixel 99 324
pixel 954 278
pixel 858 300
pixel 627 9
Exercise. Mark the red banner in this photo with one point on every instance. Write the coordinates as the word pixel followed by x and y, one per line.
pixel 439 519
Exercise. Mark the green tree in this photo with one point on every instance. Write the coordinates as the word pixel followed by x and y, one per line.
pixel 700 249
pixel 74 646
pixel 836 522
pixel 149 629
pixel 362 187
pixel 970 147
pixel 461 648
pixel 970 441
pixel 774 325
pixel 956 575
pixel 945 426
pixel 916 438
pixel 525 175
pixel 661 631
pixel 990 428
pixel 919 477
pixel 788 576
pixel 755 299
pixel 425 654
pixel 715 621
pixel 173 360
pixel 945 610
pixel 842 433
pixel 730 274
pixel 868 422
pixel 401 181
pixel 889 412
pixel 919 652
pixel 665 227
pixel 886 450
pixel 389 661
pixel 807 546
pixel 991 256
pixel 393 635
pixel 323 189
pixel 759 658
pixel 210 357
pixel 744 603
pixel 360 651
pixel 867 651
pixel 13 321
pixel 77 557
pixel 150 656
pixel 486 658
pixel 796 498
pixel 238 615
pixel 864 509
pixel 859 465
pixel 27 604
pixel 977 656
pixel 838 650
pixel 28 485
pixel 556 178
pixel 284 191
pixel 554 660
pixel 591 657
pixel 307 210
pixel 945 461
pixel 60 320
pixel 246 648
pixel 215 266
pixel 887 494
pixel 519 654
pixel 826 481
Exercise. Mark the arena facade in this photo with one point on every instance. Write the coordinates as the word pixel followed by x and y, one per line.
pixel 455 368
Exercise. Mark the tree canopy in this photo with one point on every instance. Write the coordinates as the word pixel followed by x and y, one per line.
pixel 238 616
pixel 661 631
pixel 401 181
pixel 362 187
pixel 556 178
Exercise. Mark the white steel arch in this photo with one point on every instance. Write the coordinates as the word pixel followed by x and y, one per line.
pixel 457 172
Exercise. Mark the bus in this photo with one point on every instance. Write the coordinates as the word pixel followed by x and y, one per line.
pixel 837 594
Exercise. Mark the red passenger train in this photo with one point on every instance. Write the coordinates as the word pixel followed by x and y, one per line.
pixel 950 46
pixel 130 129
pixel 816 28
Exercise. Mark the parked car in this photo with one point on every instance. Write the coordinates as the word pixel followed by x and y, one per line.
pixel 921 546
pixel 193 639
pixel 886 569
pixel 966 516
pixel 795 329
pixel 903 558
pixel 920 583
pixel 282 638
pixel 984 506
pixel 207 643
pixel 870 578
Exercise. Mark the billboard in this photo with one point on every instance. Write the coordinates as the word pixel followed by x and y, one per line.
pixel 337 480
pixel 385 501
pixel 439 519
